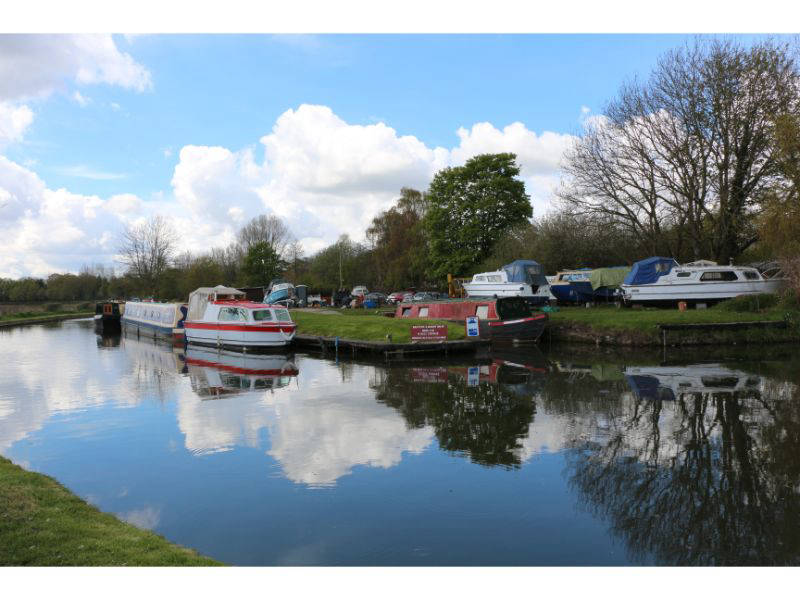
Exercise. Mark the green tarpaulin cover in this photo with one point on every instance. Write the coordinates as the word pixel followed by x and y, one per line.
pixel 611 277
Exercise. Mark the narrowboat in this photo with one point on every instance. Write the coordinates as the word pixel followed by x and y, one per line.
pixel 108 315
pixel 659 280
pixel 219 316
pixel 521 278
pixel 499 319
pixel 157 319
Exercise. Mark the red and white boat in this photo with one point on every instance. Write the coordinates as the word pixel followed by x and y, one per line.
pixel 220 316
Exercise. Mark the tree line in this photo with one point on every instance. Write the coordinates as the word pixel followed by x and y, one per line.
pixel 700 160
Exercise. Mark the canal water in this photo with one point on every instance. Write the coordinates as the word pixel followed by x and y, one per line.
pixel 551 456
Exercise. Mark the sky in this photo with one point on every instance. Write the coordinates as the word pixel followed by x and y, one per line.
pixel 99 132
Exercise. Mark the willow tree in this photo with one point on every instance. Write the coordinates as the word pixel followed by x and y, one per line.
pixel 692 147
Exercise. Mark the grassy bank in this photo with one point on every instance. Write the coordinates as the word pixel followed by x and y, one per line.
pixel 42 523
pixel 41 317
pixel 365 325
pixel 620 326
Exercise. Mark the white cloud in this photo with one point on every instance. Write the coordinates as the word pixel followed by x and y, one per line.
pixel 44 231
pixel 323 176
pixel 36 65
pixel 14 120
pixel 87 172
pixel 326 177
pixel 81 99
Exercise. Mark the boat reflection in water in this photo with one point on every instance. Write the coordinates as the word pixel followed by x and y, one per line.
pixel 480 411
pixel 218 372
pixel 696 465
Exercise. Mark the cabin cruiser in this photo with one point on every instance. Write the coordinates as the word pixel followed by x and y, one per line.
pixel 672 382
pixel 523 278
pixel 561 286
pixel 602 284
pixel 280 292
pixel 663 280
pixel 219 316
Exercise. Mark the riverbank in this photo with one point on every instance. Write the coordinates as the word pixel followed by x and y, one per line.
pixel 44 524
pixel 641 327
pixel 41 317
pixel 365 325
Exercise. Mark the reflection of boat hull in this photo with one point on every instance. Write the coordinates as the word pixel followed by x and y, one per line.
pixel 218 372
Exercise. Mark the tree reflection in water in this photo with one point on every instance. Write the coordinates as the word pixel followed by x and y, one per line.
pixel 704 479
pixel 482 412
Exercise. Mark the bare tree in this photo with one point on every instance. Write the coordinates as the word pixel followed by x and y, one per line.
pixel 268 229
pixel 691 148
pixel 147 249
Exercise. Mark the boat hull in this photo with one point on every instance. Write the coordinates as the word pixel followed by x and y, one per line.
pixel 584 293
pixel 697 292
pixel 244 335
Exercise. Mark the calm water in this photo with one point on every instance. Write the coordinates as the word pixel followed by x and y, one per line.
pixel 562 457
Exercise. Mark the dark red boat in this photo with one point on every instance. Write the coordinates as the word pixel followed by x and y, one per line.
pixel 499 319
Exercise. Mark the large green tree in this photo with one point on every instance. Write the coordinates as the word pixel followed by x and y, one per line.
pixel 261 264
pixel 469 208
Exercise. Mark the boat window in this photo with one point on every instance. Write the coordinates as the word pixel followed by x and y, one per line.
pixel 229 313
pixel 423 312
pixel 480 279
pixel 750 275
pixel 281 314
pixel 482 312
pixel 495 278
pixel 406 312
pixel 719 276
pixel 262 315
pixel 512 308
pixel 683 274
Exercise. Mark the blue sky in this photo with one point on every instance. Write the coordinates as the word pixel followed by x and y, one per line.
pixel 105 120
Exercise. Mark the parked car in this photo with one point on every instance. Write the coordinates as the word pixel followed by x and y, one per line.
pixel 407 297
pixel 359 290
pixel 425 296
pixel 395 297
pixel 378 297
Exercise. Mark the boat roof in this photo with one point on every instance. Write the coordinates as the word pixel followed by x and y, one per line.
pixel 245 304
pixel 649 270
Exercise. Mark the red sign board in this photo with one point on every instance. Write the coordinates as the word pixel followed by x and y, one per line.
pixel 428 333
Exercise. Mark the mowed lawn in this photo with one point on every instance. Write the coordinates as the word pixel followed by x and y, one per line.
pixel 44 524
pixel 360 324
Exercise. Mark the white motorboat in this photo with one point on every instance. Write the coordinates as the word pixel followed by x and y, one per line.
pixel 220 317
pixel 520 278
pixel 663 280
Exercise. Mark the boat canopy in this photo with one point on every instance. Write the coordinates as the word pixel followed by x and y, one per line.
pixel 525 271
pixel 611 277
pixel 649 270
pixel 198 299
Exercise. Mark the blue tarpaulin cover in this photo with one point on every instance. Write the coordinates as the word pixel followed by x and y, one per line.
pixel 649 270
pixel 525 271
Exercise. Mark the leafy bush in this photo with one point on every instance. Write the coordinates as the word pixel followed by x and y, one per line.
pixel 744 304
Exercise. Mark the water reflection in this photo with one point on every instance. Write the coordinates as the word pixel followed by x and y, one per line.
pixel 480 410
pixel 694 464
pixel 698 465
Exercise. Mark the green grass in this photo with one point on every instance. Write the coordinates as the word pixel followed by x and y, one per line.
pixel 642 324
pixel 358 324
pixel 29 316
pixel 44 524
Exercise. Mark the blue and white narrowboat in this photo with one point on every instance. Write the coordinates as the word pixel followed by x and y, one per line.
pixel 159 319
